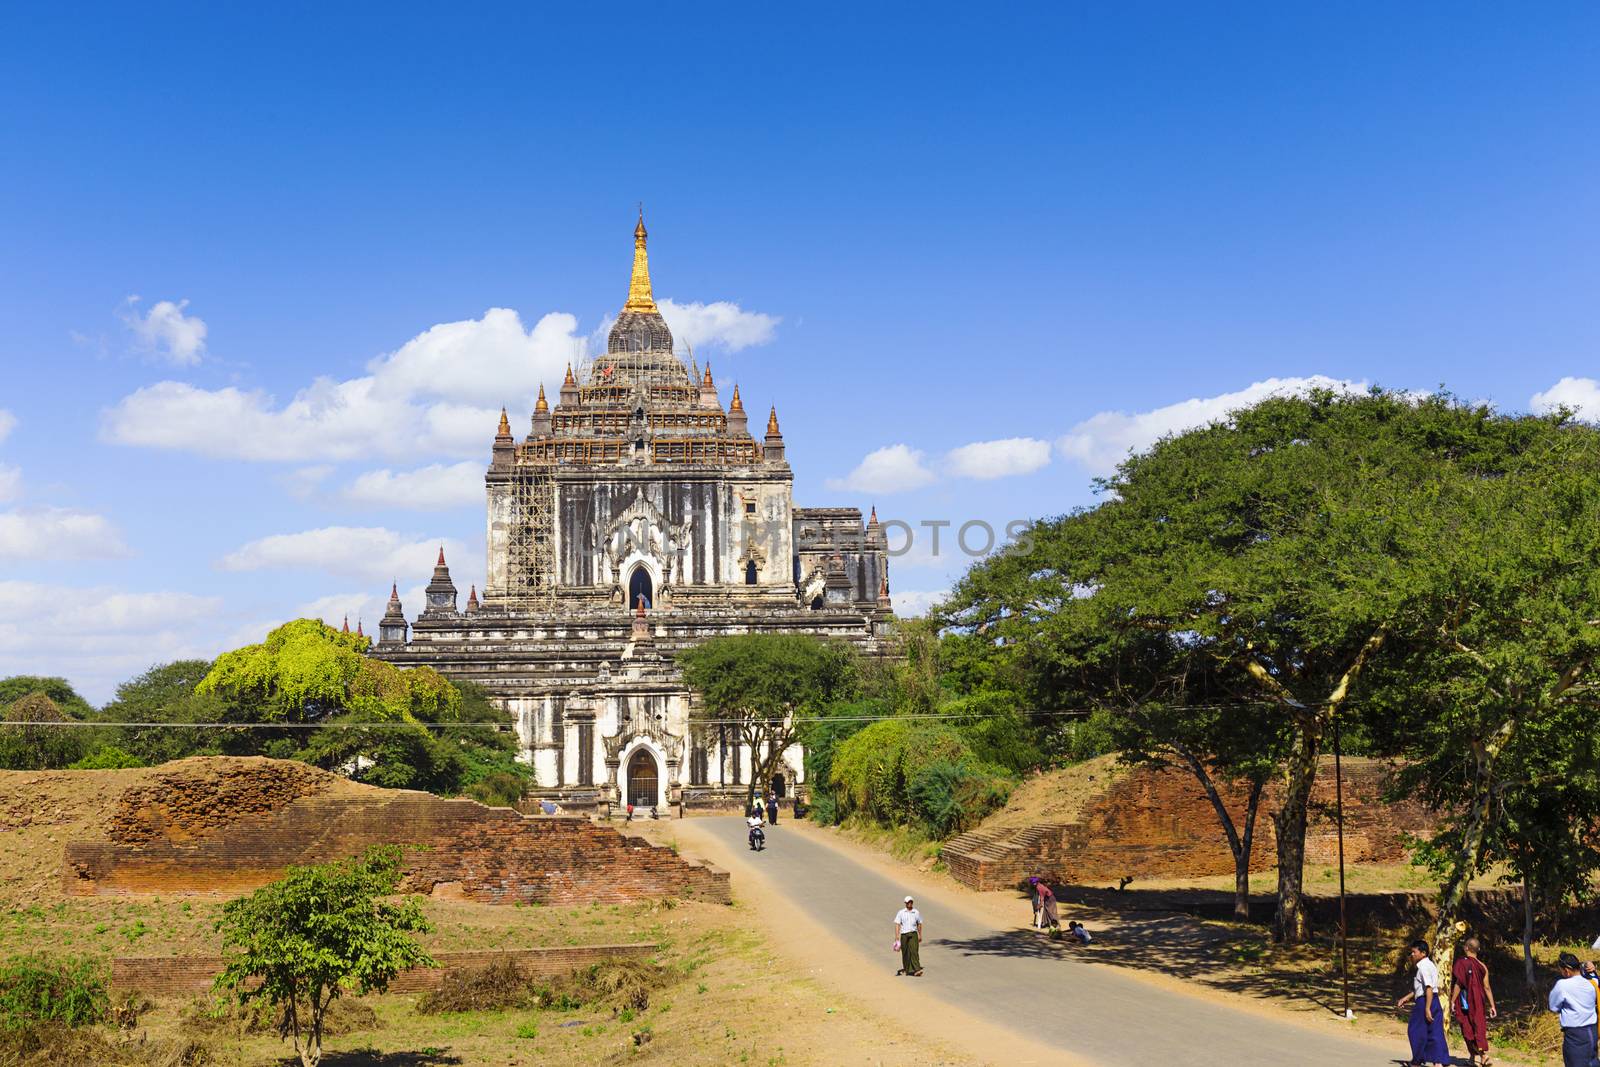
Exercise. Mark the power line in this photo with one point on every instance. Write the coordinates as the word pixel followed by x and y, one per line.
pixel 1060 713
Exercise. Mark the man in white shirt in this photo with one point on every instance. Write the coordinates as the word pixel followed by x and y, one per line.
pixel 907 936
pixel 1573 999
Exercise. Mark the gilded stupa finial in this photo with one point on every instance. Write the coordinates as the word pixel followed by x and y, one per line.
pixel 737 405
pixel 772 422
pixel 639 295
pixel 541 405
pixel 505 425
pixel 569 379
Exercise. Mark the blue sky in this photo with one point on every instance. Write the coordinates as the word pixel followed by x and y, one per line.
pixel 248 257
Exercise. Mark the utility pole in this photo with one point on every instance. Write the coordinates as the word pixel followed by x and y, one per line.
pixel 1344 930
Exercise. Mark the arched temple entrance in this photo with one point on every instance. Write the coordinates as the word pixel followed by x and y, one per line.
pixel 643 779
pixel 639 586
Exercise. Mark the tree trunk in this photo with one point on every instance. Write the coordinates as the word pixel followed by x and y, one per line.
pixel 1239 846
pixel 1527 931
pixel 1241 857
pixel 1289 924
pixel 1469 854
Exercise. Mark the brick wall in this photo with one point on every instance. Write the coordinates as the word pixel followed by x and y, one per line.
pixel 1160 824
pixel 174 975
pixel 461 849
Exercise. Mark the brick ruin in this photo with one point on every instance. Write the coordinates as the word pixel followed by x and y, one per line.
pixel 1159 824
pixel 227 826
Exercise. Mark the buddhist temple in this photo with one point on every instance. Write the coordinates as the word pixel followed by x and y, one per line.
pixel 638 517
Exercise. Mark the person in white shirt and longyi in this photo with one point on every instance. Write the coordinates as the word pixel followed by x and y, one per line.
pixel 1573 999
pixel 1426 1028
pixel 907 938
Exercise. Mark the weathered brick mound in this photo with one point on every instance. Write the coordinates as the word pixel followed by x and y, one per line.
pixel 194 797
pixel 212 834
pixel 1159 825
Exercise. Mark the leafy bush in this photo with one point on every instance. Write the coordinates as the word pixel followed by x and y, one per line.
pixel 954 795
pixel 498 790
pixel 30 743
pixel 107 758
pixel 1077 740
pixel 902 772
pixel 41 989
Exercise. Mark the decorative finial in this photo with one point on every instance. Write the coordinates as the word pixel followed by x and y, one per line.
pixel 346 623
pixel 706 383
pixel 639 296
pixel 541 406
pixel 569 379
pixel 772 422
pixel 441 557
pixel 394 590
pixel 639 612
pixel 505 425
pixel 873 521
pixel 737 405
pixel 358 627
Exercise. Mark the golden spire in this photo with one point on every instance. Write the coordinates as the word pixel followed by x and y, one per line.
pixel 705 383
pixel 540 406
pixel 772 422
pixel 569 380
pixel 505 425
pixel 737 405
pixel 639 297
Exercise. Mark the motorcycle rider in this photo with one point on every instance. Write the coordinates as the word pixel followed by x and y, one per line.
pixel 758 836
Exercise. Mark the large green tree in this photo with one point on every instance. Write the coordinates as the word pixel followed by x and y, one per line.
pixel 1491 695
pixel 762 685
pixel 1291 557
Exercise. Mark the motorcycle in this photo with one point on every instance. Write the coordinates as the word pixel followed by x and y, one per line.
pixel 758 839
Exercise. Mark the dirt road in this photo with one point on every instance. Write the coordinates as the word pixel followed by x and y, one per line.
pixel 1010 977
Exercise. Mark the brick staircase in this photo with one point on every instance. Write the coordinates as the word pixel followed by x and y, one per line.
pixel 1003 859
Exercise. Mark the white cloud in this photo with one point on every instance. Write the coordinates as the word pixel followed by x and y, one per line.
pixel 370 553
pixel 484 362
pixel 97 637
pixel 892 469
pixel 999 459
pixel 1582 395
pixel 8 422
pixel 421 400
pixel 165 328
pixel 48 533
pixel 914 602
pixel 10 483
pixel 431 488
pixel 721 324
pixel 1101 442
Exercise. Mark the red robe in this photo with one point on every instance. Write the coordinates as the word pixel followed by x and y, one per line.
pixel 1469 975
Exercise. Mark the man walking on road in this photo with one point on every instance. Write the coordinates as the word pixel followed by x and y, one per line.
pixel 908 935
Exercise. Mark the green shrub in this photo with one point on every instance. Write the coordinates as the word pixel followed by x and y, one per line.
pixel 901 772
pixel 107 758
pixel 498 790
pixel 38 989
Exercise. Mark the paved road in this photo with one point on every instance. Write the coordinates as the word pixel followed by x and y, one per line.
pixel 1016 978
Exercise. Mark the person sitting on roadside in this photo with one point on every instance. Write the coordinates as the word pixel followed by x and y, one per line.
pixel 1076 931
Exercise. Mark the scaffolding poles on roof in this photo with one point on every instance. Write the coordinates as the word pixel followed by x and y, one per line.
pixel 531 555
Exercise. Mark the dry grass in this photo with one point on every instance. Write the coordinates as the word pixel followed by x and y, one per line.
pixel 61 1046
pixel 1056 796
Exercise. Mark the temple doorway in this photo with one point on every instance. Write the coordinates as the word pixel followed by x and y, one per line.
pixel 639 585
pixel 643 780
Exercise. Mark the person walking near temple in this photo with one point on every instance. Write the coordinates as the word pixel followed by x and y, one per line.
pixel 1573 999
pixel 1426 1028
pixel 1472 1001
pixel 772 809
pixel 1044 906
pixel 908 938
